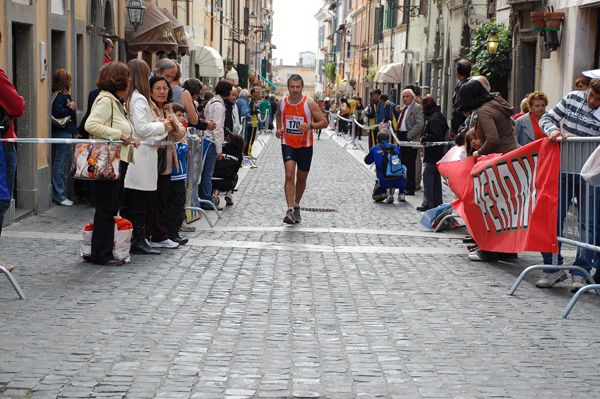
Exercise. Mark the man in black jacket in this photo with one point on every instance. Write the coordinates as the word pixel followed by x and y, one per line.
pixel 463 73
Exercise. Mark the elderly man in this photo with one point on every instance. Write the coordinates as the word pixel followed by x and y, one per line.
pixel 578 112
pixel 410 127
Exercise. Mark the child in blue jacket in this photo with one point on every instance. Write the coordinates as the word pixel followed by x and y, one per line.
pixel 385 186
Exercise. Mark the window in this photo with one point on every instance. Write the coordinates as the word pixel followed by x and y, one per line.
pixel 391 14
pixel 58 7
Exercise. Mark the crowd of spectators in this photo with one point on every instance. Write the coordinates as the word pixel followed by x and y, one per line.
pixel 134 104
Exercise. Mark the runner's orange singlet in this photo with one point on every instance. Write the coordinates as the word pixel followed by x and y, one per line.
pixel 292 116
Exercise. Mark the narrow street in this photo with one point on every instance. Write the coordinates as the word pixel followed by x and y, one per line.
pixel 358 301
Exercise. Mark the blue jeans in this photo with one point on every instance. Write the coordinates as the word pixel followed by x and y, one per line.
pixel 588 199
pixel 210 157
pixel 58 168
pixel 432 186
pixel 10 158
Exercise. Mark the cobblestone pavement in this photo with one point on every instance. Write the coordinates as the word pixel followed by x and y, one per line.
pixel 358 302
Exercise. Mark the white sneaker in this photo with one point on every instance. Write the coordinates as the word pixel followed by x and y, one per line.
pixel 401 197
pixel 549 279
pixel 164 244
pixel 65 202
pixel 577 282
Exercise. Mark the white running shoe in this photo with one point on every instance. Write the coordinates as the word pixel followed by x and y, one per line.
pixel 65 202
pixel 164 244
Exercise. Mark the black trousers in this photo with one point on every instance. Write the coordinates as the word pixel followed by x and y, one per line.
pixel 409 157
pixel 176 204
pixel 134 201
pixel 107 196
pixel 156 210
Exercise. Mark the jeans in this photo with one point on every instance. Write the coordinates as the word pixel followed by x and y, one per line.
pixel 588 199
pixel 432 186
pixel 10 158
pixel 205 186
pixel 58 168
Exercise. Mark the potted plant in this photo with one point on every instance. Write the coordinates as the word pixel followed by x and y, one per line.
pixel 329 70
pixel 251 77
pixel 352 82
pixel 364 61
pixel 228 62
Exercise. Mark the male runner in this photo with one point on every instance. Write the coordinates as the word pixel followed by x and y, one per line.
pixel 295 116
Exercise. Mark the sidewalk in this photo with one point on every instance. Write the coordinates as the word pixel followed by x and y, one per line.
pixel 357 301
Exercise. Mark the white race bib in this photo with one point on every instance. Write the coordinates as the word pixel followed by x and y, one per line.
pixel 292 123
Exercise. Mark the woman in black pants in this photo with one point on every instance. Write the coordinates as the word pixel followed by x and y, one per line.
pixel 108 119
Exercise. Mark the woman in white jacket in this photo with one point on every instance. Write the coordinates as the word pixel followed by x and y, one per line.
pixel 141 178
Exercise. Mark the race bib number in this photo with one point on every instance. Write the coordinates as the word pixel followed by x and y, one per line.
pixel 292 123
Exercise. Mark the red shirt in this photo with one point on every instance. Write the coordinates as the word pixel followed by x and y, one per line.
pixel 12 102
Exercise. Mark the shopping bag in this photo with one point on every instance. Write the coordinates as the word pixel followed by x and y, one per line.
pixel 96 161
pixel 590 172
pixel 432 218
pixel 122 241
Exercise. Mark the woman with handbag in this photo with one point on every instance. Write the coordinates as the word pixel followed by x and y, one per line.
pixel 108 120
pixel 141 178
pixel 157 207
pixel 64 126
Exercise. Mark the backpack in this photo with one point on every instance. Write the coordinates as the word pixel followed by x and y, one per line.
pixel 390 164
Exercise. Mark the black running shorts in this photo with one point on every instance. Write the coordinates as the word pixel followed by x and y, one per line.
pixel 302 156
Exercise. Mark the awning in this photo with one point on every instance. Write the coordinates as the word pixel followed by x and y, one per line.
pixel 263 78
pixel 390 73
pixel 210 62
pixel 153 35
pixel 232 74
pixel 178 32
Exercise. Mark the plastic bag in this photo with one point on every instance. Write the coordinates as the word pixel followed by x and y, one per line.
pixel 590 172
pixel 432 217
pixel 455 153
pixel 122 242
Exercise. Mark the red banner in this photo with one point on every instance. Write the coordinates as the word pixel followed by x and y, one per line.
pixel 510 201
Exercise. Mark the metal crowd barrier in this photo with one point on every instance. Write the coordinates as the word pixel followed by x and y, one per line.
pixel 578 213
pixel 243 132
pixel 194 176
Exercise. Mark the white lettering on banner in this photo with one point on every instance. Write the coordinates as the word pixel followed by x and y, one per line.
pixel 506 194
pixel 292 123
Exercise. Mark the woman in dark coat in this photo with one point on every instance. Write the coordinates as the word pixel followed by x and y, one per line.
pixel 436 127
pixel 62 106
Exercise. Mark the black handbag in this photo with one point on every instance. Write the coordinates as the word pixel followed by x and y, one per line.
pixel 4 121
pixel 162 160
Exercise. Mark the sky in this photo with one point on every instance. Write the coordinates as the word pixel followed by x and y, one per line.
pixel 295 28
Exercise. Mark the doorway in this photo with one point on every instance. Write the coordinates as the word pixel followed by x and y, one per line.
pixel 23 78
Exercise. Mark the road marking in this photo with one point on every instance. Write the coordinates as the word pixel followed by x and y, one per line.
pixel 324 230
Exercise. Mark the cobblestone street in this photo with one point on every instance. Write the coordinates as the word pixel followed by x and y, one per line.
pixel 358 301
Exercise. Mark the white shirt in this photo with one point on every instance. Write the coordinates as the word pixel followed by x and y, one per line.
pixel 403 124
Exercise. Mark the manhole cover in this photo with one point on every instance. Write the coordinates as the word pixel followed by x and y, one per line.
pixel 318 209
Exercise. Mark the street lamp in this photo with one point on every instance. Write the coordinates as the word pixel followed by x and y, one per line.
pixel 492 43
pixel 135 12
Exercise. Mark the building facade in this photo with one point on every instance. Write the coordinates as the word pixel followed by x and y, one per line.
pixel 39 37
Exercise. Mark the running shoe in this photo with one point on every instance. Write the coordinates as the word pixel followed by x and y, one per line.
pixel 289 217
pixel 297 216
